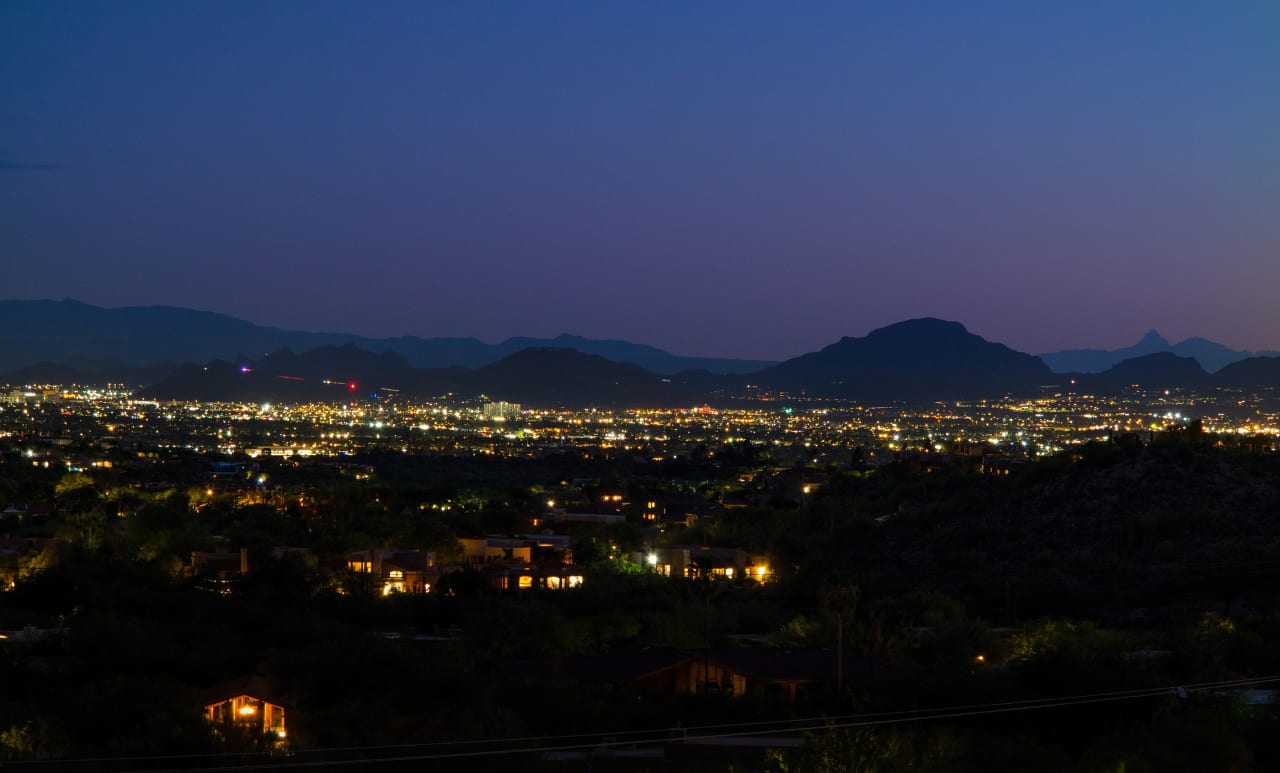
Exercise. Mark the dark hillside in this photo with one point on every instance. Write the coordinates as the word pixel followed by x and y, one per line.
pixel 1119 530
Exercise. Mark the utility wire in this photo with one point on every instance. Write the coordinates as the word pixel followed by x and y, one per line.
pixel 698 732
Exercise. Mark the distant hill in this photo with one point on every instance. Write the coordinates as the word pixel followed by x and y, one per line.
pixel 536 377
pixel 1212 356
pixel 1163 370
pixel 648 357
pixel 915 361
pixel 325 373
pixel 551 377
pixel 1251 373
pixel 69 332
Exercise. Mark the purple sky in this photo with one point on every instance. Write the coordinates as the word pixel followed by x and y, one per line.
pixel 735 179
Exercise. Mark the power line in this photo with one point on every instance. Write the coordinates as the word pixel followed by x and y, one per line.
pixel 733 730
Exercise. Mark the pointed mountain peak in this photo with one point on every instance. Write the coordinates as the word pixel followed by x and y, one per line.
pixel 1152 338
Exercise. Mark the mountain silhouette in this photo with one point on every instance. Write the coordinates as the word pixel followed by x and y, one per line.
pixel 326 373
pixel 913 361
pixel 1212 356
pixel 556 377
pixel 1250 373
pixel 540 377
pixel 1162 370
pixel 69 331
pixel 916 361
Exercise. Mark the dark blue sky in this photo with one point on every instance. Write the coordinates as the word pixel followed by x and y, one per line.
pixel 739 179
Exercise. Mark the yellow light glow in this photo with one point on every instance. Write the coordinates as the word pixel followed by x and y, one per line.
pixel 247 710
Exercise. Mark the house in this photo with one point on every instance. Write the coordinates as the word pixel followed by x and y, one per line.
pixel 675 509
pixel 481 551
pixel 220 564
pixel 231 471
pixel 794 484
pixel 252 702
pixel 534 577
pixel 702 561
pixel 523 548
pixel 591 519
pixel 396 571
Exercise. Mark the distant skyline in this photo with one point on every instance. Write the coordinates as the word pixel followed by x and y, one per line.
pixel 722 179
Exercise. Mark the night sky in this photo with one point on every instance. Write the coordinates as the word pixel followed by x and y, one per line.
pixel 734 179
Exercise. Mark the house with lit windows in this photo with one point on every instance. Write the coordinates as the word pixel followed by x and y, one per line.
pixel 534 577
pixel 253 703
pixel 698 561
pixel 521 548
pixel 396 571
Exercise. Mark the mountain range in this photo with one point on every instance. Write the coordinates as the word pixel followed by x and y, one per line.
pixel 915 361
pixel 1212 356
pixel 537 376
pixel 89 338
